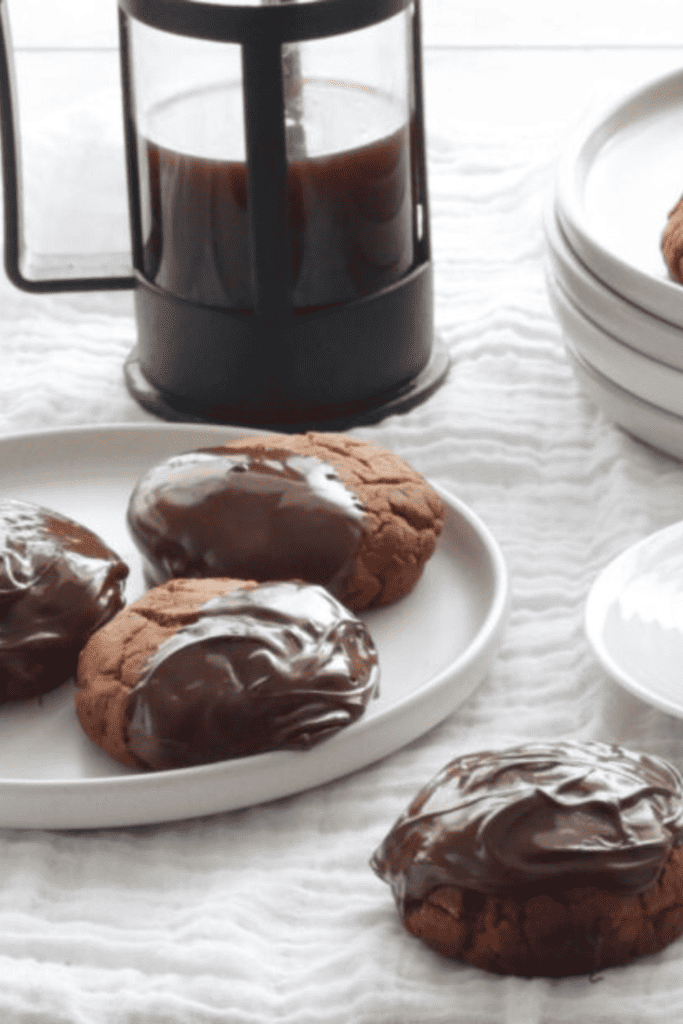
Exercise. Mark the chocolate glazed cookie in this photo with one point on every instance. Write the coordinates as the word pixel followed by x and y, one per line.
pixel 552 860
pixel 198 671
pixel 58 583
pixel 325 508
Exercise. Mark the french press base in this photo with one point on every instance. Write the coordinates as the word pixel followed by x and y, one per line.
pixel 329 368
pixel 401 400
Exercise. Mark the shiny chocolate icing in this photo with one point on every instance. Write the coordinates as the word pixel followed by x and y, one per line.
pixel 213 513
pixel 284 665
pixel 58 584
pixel 537 818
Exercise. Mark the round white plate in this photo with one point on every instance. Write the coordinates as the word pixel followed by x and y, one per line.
pixel 663 430
pixel 648 379
pixel 632 325
pixel 634 619
pixel 434 647
pixel 617 180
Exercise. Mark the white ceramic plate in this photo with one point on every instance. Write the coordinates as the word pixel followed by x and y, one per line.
pixel 648 379
pixel 618 177
pixel 646 422
pixel 634 619
pixel 434 647
pixel 632 325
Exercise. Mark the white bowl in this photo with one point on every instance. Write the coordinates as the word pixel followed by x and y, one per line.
pixel 648 379
pixel 610 311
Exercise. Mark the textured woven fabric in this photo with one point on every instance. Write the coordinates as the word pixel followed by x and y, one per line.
pixel 271 915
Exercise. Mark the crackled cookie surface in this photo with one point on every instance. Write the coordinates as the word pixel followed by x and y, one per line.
pixel 201 670
pixel 550 859
pixel 672 241
pixel 326 508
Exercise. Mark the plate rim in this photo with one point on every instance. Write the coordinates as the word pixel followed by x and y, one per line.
pixel 593 622
pixel 475 658
pixel 652 381
pixel 662 298
pixel 660 430
pixel 645 332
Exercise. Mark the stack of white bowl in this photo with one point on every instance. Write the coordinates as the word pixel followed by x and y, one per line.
pixel 621 313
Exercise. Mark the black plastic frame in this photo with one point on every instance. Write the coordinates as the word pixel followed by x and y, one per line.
pixel 261 32
pixel 275 364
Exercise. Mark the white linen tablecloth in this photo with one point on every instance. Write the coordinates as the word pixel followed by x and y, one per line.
pixel 271 915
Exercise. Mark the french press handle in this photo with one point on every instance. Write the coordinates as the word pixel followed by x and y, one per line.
pixel 14 241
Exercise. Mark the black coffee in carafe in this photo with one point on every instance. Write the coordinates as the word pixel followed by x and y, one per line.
pixel 349 217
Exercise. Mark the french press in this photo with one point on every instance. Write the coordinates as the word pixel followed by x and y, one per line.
pixel 278 210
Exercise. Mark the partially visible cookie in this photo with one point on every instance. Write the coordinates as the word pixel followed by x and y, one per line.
pixel 545 859
pixel 201 670
pixel 328 508
pixel 672 241
pixel 580 930
pixel 58 583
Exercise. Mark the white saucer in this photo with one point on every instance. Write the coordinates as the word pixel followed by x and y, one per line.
pixel 435 646
pixel 634 619
pixel 618 178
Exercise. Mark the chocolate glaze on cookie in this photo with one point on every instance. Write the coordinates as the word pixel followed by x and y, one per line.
pixel 58 584
pixel 540 817
pixel 212 513
pixel 283 665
